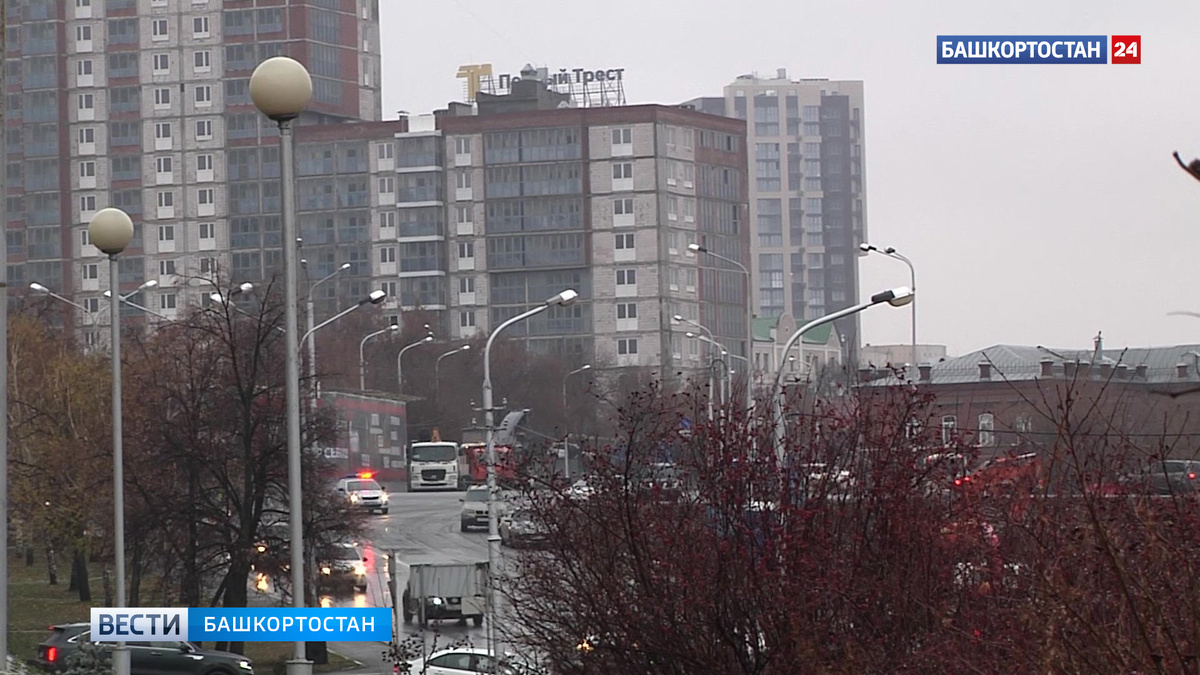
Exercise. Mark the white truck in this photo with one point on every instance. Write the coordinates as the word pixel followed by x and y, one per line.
pixel 433 465
pixel 438 591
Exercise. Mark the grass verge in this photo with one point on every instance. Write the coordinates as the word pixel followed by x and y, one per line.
pixel 34 605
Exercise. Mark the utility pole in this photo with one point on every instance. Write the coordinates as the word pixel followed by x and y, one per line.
pixel 4 345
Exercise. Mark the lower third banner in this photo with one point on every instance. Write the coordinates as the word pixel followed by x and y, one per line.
pixel 265 624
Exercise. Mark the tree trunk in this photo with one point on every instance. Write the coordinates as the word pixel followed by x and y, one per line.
pixel 79 573
pixel 237 593
pixel 29 554
pixel 190 584
pixel 52 564
pixel 73 584
pixel 107 581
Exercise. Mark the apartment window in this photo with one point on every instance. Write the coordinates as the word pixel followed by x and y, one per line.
pixel 83 72
pixel 164 165
pixel 466 284
pixel 387 220
pixel 162 63
pixel 386 151
pixel 91 272
pixel 203 95
pixel 83 33
pixel 462 179
pixel 626 277
pixel 627 346
pixel 627 310
pixel 208 231
pixel 206 197
pixel 622 136
pixel 200 27
pixel 466 249
pixel 166 233
pixel 466 319
pixel 987 430
pixel 87 106
pixel 208 265
pixel 462 145
pixel 158 29
pixel 623 207
pixel 202 61
pixel 387 254
pixel 204 131
pixel 463 214
pixel 166 268
pixel 166 200
pixel 949 424
pixel 162 130
pixel 87 170
pixel 387 185
pixel 162 98
pixel 622 170
pixel 623 242
pixel 204 163
pixel 168 300
pixel 87 203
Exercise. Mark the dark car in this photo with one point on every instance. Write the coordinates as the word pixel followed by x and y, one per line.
pixel 1167 477
pixel 145 658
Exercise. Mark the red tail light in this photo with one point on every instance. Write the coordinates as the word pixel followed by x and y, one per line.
pixel 958 481
pixel 1192 475
pixel 51 654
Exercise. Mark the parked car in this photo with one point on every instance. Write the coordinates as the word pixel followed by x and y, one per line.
pixel 466 661
pixel 145 658
pixel 1166 477
pixel 342 565
pixel 521 528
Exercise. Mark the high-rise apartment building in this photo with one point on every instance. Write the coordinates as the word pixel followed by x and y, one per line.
pixel 144 105
pixel 807 198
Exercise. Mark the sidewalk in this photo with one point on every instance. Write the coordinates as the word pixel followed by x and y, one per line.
pixel 369 656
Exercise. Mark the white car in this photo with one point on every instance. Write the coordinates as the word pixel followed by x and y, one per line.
pixel 461 661
pixel 362 491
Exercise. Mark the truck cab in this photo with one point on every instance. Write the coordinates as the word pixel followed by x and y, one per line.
pixel 433 465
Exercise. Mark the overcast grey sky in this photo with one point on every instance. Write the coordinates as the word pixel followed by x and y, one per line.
pixel 1040 204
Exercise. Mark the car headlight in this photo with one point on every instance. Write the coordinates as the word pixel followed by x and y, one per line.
pixel 245 665
pixel 360 569
pixel 325 570
pixel 384 498
pixel 435 601
pixel 354 497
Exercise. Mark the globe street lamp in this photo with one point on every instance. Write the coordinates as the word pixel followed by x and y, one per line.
pixel 281 89
pixel 891 253
pixel 111 230
pixel 897 297
pixel 567 297
pixel 437 382
pixel 697 248
pixel 362 360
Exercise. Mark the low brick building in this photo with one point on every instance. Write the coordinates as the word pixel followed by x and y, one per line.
pixel 372 434
pixel 1007 396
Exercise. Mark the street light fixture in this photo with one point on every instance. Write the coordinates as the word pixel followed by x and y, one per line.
pixel 241 289
pixel 897 297
pixel 566 421
pixel 437 382
pixel 111 230
pixel 563 299
pixel 281 88
pixel 697 248
pixel 891 253
pixel 310 310
pixel 679 318
pixel 373 298
pixel 362 359
pixel 400 357
pixel 1192 167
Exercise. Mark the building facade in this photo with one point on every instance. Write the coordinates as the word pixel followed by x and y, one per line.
pixel 144 105
pixel 807 192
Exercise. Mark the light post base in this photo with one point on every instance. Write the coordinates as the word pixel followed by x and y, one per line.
pixel 299 667
pixel 120 659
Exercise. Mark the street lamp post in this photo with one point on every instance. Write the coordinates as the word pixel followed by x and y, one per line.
pixel 565 298
pixel 310 312
pixel 897 297
pixel 281 89
pixel 437 382
pixel 566 421
pixel 362 359
pixel 724 352
pixel 111 230
pixel 711 384
pixel 912 271
pixel 400 358
pixel 696 248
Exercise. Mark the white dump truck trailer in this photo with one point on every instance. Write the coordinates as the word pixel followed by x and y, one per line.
pixel 438 591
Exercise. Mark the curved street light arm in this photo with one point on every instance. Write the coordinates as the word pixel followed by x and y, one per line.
pixel 335 317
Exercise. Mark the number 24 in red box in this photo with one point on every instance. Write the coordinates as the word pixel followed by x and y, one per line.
pixel 1126 49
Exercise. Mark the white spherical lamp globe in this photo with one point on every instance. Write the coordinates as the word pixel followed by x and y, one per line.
pixel 110 230
pixel 281 88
